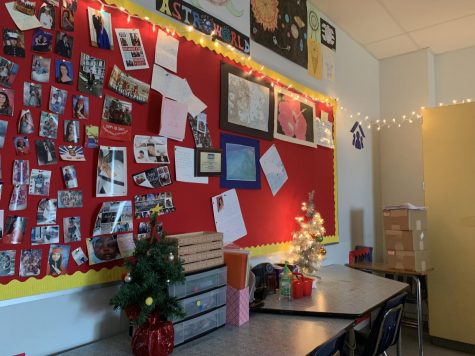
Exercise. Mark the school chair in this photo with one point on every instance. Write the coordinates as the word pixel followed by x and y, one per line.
pixel 331 347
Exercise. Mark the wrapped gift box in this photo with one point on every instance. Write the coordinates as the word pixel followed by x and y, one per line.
pixel 237 306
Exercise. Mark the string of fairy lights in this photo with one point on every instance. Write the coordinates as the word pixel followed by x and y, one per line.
pixel 366 121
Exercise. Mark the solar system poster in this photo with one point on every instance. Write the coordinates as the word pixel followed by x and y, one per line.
pixel 281 27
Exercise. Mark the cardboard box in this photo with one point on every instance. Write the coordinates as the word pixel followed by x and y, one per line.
pixel 237 306
pixel 412 240
pixel 405 219
pixel 409 260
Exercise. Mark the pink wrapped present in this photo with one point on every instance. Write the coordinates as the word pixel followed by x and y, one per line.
pixel 237 306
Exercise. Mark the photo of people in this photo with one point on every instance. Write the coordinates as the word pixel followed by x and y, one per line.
pixel 131 88
pixel 64 44
pixel 32 94
pixel 64 72
pixel 116 119
pixel 100 29
pixel 79 256
pixel 114 217
pixel 70 177
pixel 92 136
pixel 151 149
pixel 40 69
pixel 71 5
pixel 40 182
pixel 143 230
pixel 57 260
pixel 111 172
pixel 25 6
pixel 41 41
pixel 25 124
pixel 72 229
pixel 80 107
pixel 21 172
pixel 7 262
pixel 91 75
pixel 13 43
pixel 71 131
pixel 48 125
pixel 46 212
pixel 67 19
pixel 153 178
pixel 30 262
pixel 8 72
pixel 103 249
pixel 18 199
pixel 22 145
pixel 71 153
pixel 57 100
pixel 144 204
pixel 47 16
pixel 14 230
pixel 6 102
pixel 3 132
pixel 45 235
pixel 45 152
pixel 131 48
pixel 69 199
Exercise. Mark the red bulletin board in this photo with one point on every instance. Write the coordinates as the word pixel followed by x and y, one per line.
pixel 269 220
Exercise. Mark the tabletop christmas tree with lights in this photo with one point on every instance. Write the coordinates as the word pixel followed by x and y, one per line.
pixel 306 250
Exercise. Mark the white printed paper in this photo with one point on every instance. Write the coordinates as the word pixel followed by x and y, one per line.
pixel 166 51
pixel 23 21
pixel 227 216
pixel 173 119
pixel 170 85
pixel 274 169
pixel 324 133
pixel 185 166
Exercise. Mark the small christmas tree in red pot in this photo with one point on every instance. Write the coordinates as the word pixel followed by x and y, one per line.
pixel 144 293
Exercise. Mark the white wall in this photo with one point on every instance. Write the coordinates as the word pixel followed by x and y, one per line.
pixel 51 324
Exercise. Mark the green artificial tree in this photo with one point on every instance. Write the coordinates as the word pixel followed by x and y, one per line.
pixel 153 267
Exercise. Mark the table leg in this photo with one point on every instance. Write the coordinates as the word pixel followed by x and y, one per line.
pixel 420 327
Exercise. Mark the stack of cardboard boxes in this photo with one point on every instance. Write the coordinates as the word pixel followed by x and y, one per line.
pixel 406 241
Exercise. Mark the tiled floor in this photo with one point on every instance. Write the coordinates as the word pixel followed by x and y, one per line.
pixel 120 346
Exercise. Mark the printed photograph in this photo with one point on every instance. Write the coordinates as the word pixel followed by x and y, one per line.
pixel 78 256
pixel 42 41
pixel 71 5
pixel 25 6
pixel 151 149
pixel 67 19
pixel 40 69
pixel 153 178
pixel 25 124
pixel 47 16
pixel 8 72
pixel 46 212
pixel 71 153
pixel 48 125
pixel 70 177
pixel 100 29
pixel 131 48
pixel 131 88
pixel 13 43
pixel 45 152
pixel 72 229
pixel 91 75
pixel 69 199
pixel 3 132
pixel 143 230
pixel 126 244
pixel 30 262
pixel 80 107
pixel 7 263
pixel 145 203
pixel 58 258
pixel 18 199
pixel 64 72
pixel 7 100
pixel 14 230
pixel 116 119
pixel 71 131
pixel 91 136
pixel 32 94
pixel 57 100
pixel 40 182
pixel 114 217
pixel 103 249
pixel 45 235
pixel 111 172
pixel 21 172
pixel 64 45
pixel 22 145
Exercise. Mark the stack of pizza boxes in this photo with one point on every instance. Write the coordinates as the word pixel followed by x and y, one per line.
pixel 406 240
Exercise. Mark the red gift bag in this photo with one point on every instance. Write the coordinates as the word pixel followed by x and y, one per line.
pixel 154 338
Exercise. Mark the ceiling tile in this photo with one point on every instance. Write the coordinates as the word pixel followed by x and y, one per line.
pixel 419 14
pixel 391 47
pixel 446 37
pixel 368 22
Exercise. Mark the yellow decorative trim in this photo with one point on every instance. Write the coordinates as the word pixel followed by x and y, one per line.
pixel 262 250
pixel 48 284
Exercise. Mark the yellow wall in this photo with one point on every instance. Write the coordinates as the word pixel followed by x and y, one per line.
pixel 449 175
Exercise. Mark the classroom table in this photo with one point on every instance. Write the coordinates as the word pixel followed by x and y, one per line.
pixel 384 268
pixel 268 334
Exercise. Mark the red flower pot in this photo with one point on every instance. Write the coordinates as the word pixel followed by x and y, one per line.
pixel 154 338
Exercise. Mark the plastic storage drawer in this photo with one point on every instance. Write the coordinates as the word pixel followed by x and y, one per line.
pixel 199 283
pixel 202 303
pixel 190 329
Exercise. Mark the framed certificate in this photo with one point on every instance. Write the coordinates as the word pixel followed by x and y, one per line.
pixel 207 162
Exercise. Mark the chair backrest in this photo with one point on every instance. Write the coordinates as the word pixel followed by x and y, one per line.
pixel 363 254
pixel 386 328
pixel 331 347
